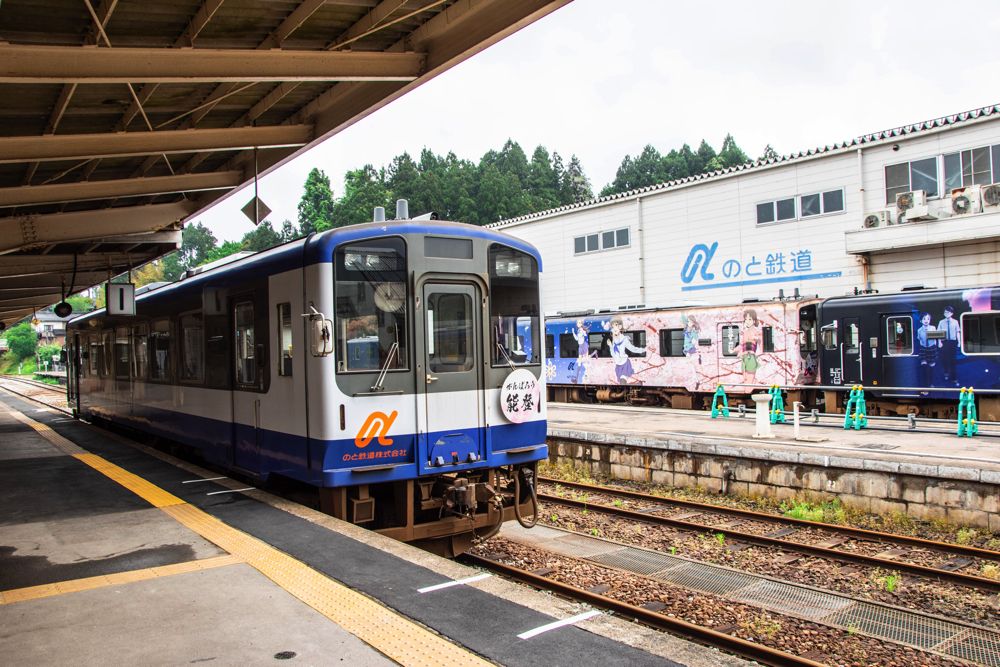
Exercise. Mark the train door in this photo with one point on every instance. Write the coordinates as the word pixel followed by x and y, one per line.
pixel 73 374
pixel 453 411
pixel 246 387
pixel 897 358
pixel 851 351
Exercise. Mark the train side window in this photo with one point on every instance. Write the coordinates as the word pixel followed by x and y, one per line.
pixel 899 336
pixel 95 354
pixel 192 352
pixel 246 361
pixel 159 351
pixel 597 345
pixel 638 339
pixel 550 346
pixel 767 338
pixel 981 333
pixel 852 338
pixel 140 355
pixel 108 353
pixel 285 339
pixel 730 340
pixel 569 348
pixel 671 342
pixel 828 334
pixel 123 353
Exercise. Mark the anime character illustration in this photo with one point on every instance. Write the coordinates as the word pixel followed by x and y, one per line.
pixel 620 347
pixel 949 344
pixel 691 334
pixel 751 344
pixel 927 350
pixel 582 335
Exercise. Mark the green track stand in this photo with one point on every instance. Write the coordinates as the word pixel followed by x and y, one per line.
pixel 720 397
pixel 967 426
pixel 856 411
pixel 777 405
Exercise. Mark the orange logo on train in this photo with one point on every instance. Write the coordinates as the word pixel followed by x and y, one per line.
pixel 376 426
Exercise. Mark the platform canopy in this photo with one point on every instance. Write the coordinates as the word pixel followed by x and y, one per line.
pixel 121 119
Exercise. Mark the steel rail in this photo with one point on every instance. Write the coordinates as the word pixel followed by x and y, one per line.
pixel 980 583
pixel 861 533
pixel 702 635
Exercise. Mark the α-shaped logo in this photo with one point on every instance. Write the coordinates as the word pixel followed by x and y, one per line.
pixel 698 259
pixel 376 426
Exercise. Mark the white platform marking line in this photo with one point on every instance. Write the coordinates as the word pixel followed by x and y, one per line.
pixel 572 620
pixel 457 582
pixel 206 479
pixel 215 493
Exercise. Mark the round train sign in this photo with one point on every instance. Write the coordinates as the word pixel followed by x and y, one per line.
pixel 520 396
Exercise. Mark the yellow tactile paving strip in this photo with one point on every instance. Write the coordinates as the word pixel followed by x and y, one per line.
pixel 397 637
pixel 114 579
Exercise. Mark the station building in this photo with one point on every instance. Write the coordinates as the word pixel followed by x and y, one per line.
pixel 915 205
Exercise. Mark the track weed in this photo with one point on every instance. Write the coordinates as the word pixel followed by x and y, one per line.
pixel 721 539
pixel 830 511
pixel 990 571
pixel 966 535
pixel 761 627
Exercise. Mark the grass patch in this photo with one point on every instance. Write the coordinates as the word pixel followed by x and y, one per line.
pixel 830 511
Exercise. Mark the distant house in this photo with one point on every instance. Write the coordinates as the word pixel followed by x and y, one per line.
pixel 51 328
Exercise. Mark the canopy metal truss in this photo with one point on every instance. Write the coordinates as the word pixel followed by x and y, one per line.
pixel 122 119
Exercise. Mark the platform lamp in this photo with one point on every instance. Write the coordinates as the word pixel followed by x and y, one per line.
pixel 63 309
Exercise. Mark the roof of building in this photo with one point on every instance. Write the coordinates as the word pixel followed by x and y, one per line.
pixel 851 144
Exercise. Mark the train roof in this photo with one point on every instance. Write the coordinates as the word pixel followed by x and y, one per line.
pixel 319 248
pixel 914 292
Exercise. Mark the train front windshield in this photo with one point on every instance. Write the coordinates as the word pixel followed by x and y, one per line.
pixel 514 320
pixel 371 305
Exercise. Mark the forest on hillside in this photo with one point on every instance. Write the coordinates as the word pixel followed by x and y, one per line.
pixel 504 184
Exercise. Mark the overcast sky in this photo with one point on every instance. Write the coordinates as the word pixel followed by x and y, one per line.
pixel 602 79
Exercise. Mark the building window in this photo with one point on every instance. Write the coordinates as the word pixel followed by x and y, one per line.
pixel 981 333
pixel 730 340
pixel 899 336
pixel 831 201
pixel 609 240
pixel 978 166
pixel 284 339
pixel 910 176
pixel 671 342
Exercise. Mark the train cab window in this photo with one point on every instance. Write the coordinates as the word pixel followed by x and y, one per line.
pixel 828 334
pixel 514 320
pixel 140 351
pixel 371 310
pixel 449 333
pixel 159 351
pixel 899 336
pixel 550 346
pixel 246 348
pixel 767 339
pixel 123 354
pixel 192 352
pixel 981 333
pixel 730 340
pixel 569 348
pixel 284 339
pixel 671 342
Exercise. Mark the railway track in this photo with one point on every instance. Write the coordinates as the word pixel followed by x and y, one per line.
pixel 702 635
pixel 784 528
pixel 54 396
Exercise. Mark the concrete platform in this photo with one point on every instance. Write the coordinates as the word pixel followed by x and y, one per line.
pixel 114 553
pixel 881 469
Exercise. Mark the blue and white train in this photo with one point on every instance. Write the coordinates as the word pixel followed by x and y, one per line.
pixel 394 367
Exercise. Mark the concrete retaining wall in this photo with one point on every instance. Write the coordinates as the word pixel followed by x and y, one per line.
pixel 960 495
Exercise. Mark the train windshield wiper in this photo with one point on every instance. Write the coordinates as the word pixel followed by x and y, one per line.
pixel 385 367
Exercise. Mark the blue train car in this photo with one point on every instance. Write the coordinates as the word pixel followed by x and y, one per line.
pixel 369 362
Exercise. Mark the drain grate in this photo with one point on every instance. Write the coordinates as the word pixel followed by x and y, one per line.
pixel 901 626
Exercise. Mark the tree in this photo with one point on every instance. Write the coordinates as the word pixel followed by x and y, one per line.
pixel 316 205
pixel 364 189
pixel 542 183
pixel 731 154
pixel 261 238
pixel 22 341
pixel 575 185
pixel 289 232
pixel 172 267
pixel 151 272
pixel 225 250
pixel 81 303
pixel 197 241
pixel 404 182
pixel 769 154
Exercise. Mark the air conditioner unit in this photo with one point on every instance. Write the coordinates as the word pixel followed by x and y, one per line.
pixel 990 197
pixel 875 219
pixel 966 200
pixel 912 206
